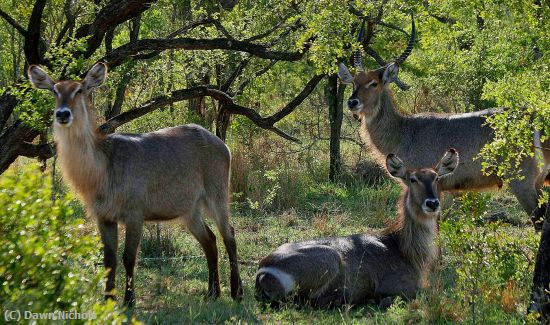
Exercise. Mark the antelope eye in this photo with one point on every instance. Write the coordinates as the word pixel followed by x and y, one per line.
pixel 413 180
pixel 79 91
pixel 374 84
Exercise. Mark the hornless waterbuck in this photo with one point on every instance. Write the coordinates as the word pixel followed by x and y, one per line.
pixel 350 270
pixel 131 178
pixel 417 138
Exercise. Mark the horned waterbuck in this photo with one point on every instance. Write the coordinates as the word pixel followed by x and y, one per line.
pixel 350 270
pixel 172 173
pixel 417 138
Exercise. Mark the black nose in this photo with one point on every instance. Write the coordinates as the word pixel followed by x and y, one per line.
pixel 63 116
pixel 352 103
pixel 432 204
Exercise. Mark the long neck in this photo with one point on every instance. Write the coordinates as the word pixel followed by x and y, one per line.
pixel 384 130
pixel 82 163
pixel 416 234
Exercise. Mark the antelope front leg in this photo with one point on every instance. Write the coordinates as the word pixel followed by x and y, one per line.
pixel 109 237
pixel 134 230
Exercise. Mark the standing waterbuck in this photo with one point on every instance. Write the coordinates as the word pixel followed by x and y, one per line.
pixel 417 138
pixel 350 270
pixel 131 178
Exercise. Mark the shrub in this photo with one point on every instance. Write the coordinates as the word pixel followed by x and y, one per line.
pixel 46 257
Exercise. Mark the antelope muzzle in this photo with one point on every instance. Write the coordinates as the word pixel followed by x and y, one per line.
pixel 63 116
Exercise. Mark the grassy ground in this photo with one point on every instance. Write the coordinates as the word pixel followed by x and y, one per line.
pixel 484 276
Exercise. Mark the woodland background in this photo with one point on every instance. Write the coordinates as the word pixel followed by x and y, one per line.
pixel 261 76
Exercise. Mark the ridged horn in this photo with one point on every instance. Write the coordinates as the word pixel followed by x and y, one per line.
pixel 357 58
pixel 410 45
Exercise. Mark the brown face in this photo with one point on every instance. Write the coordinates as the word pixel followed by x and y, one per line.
pixel 423 183
pixel 365 99
pixel 424 191
pixel 70 95
pixel 69 102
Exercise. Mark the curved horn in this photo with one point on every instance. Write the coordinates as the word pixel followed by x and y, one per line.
pixel 357 59
pixel 410 45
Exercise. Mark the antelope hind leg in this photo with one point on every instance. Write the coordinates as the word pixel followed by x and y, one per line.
pixel 134 230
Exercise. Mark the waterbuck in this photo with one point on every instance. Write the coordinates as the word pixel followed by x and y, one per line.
pixel 417 138
pixel 131 178
pixel 350 270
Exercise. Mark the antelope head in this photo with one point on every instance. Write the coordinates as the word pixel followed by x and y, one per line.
pixel 423 184
pixel 369 85
pixel 71 96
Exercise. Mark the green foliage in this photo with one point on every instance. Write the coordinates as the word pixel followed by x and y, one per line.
pixel 527 111
pixel 47 258
pixel 491 263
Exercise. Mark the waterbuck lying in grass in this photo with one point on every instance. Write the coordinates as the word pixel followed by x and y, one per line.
pixel 418 138
pixel 350 270
pixel 131 178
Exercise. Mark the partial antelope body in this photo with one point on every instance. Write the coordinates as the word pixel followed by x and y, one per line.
pixel 173 173
pixel 350 270
pixel 418 137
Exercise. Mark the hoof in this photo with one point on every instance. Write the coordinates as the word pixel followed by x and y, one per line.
pixel 238 292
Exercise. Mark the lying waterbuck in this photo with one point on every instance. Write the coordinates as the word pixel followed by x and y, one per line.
pixel 350 270
pixel 131 178
pixel 418 137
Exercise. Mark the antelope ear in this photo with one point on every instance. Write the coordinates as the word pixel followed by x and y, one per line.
pixel 448 163
pixel 390 74
pixel 39 78
pixel 344 74
pixel 396 167
pixel 95 76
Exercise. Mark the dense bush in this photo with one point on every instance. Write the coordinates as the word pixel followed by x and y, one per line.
pixel 48 262
pixel 492 265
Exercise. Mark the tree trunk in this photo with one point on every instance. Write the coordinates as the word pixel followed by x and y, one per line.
pixel 223 120
pixel 334 95
pixel 540 294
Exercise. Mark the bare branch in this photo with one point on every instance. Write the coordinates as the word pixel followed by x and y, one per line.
pixel 441 19
pixel 201 91
pixel 375 56
pixel 256 74
pixel 269 31
pixel 120 92
pixel 222 29
pixel 11 141
pixel 116 57
pixel 444 20
pixel 151 105
pixel 191 26
pixel 237 72
pixel 13 22
pixel 69 21
pixel 113 14
pixel 309 87
pixel 392 26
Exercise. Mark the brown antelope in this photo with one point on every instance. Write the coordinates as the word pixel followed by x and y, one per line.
pixel 350 270
pixel 131 178
pixel 417 138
